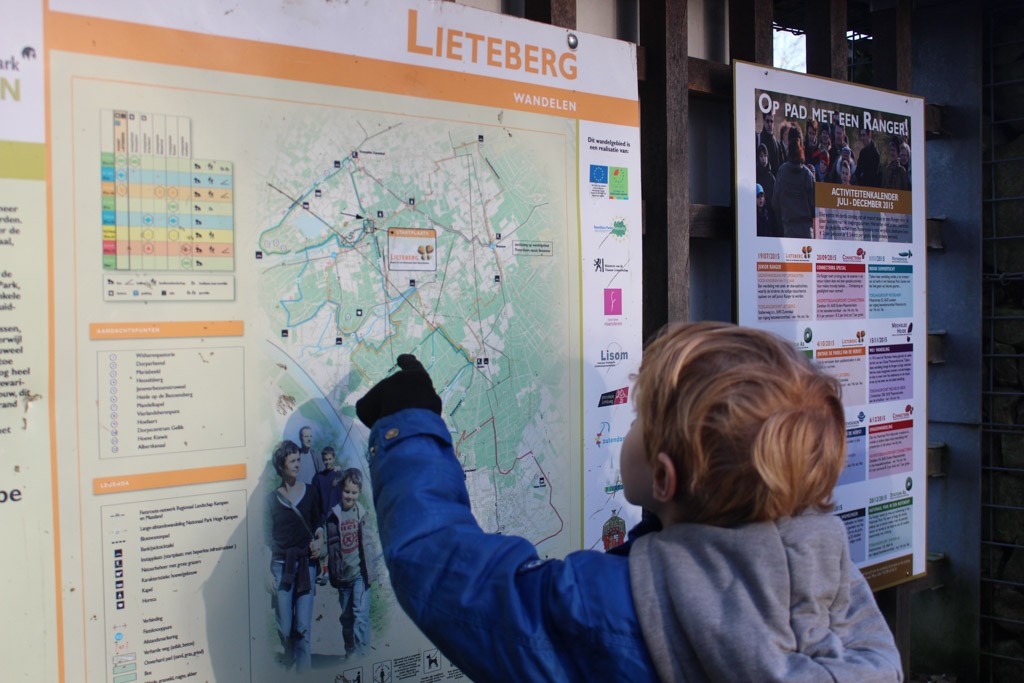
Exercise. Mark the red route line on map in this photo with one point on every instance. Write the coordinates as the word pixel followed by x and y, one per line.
pixel 529 454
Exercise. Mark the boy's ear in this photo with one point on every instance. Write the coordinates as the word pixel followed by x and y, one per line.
pixel 663 478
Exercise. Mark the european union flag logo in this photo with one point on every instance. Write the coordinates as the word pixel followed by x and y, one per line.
pixel 598 174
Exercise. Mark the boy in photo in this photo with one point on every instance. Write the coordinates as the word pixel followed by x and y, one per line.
pixel 351 558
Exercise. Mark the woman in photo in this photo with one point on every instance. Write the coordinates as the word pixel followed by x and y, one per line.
pixel 793 201
pixel 297 541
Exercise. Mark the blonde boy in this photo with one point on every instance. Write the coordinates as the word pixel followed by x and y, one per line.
pixel 733 426
pixel 737 444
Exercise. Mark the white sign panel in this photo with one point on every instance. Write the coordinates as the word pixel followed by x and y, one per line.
pixel 831 255
pixel 252 210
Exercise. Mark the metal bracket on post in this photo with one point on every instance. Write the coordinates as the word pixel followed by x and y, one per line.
pixel 936 341
pixel 933 233
pixel 934 119
pixel 938 454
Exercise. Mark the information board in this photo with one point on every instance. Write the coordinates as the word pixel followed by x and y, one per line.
pixel 220 223
pixel 831 255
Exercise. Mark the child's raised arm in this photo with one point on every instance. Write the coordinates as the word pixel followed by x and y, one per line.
pixel 487 601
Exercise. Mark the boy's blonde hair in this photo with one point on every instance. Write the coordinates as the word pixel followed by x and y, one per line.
pixel 756 431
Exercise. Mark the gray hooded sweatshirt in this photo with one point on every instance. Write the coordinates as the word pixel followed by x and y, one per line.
pixel 770 601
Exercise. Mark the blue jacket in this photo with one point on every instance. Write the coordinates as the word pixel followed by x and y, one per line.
pixel 492 606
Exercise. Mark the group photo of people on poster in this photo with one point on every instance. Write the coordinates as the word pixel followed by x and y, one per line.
pixel 827 171
pixel 322 540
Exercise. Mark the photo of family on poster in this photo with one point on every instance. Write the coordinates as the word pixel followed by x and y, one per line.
pixel 322 541
pixel 794 155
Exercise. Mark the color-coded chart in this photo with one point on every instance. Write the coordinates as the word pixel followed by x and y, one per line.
pixel 162 209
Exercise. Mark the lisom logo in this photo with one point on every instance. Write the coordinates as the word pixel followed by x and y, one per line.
pixel 611 356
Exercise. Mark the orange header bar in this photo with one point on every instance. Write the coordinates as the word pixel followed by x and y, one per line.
pixel 858 198
pixel 163 480
pixel 412 232
pixel 167 330
pixel 123 40
pixel 783 267
pixel 844 352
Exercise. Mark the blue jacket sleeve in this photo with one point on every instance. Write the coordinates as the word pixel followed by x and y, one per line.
pixel 486 600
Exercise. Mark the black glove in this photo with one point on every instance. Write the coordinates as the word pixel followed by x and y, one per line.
pixel 410 387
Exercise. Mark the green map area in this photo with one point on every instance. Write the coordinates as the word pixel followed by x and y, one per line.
pixel 387 234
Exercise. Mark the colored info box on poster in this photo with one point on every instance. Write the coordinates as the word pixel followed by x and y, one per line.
pixel 849 366
pixel 784 291
pixel 856 456
pixel 890 527
pixel 412 249
pixel 841 291
pixel 890 291
pixel 890 448
pixel 890 372
pixel 856 532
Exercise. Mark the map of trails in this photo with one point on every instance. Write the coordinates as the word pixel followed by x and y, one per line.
pixel 388 234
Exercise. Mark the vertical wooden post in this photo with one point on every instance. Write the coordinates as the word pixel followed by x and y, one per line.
pixel 537 10
pixel 563 13
pixel 826 38
pixel 750 30
pixel 664 97
pixel 890 51
pixel 555 12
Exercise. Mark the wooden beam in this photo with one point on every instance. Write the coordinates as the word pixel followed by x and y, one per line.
pixel 677 149
pixel 750 30
pixel 664 95
pixel 712 222
pixel 826 38
pixel 890 46
pixel 537 10
pixel 712 79
pixel 563 14
pixel 555 12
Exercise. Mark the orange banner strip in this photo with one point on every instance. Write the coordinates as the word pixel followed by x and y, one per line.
pixel 167 330
pixel 104 37
pixel 783 267
pixel 163 480
pixel 841 352
pixel 857 198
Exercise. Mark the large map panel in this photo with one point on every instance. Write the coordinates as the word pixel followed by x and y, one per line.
pixel 367 225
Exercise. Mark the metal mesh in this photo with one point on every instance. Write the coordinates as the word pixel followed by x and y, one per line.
pixel 1002 476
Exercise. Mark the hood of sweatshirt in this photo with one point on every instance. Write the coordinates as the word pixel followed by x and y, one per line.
pixel 770 601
